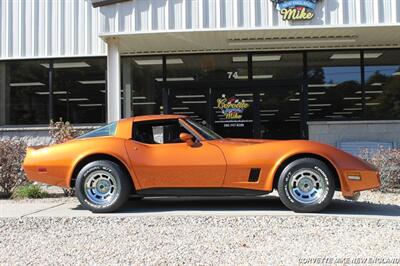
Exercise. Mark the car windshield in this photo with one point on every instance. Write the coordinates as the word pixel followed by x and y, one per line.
pixel 207 133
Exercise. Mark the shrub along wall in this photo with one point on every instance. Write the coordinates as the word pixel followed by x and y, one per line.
pixel 12 153
pixel 13 150
pixel 388 163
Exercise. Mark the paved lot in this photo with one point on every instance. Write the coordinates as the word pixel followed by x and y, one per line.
pixel 227 206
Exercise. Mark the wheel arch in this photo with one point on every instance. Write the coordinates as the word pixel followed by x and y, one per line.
pixel 95 157
pixel 294 157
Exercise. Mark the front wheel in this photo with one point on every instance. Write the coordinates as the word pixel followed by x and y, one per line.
pixel 102 186
pixel 306 185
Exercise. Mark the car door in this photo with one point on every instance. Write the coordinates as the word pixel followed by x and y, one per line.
pixel 161 160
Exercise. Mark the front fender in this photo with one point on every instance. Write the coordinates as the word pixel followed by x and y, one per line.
pixel 344 163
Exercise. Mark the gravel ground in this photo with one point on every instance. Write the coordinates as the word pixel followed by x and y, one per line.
pixel 377 197
pixel 202 240
pixel 198 240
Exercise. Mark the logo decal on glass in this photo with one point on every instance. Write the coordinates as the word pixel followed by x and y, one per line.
pixel 296 9
pixel 232 108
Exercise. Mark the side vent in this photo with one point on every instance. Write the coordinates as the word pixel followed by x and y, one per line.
pixel 254 174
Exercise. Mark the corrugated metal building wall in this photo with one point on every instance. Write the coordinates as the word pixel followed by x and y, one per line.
pixel 49 28
pixel 65 28
pixel 161 15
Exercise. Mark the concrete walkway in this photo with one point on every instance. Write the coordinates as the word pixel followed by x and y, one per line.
pixel 227 206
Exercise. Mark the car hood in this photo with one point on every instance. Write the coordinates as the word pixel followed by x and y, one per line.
pixel 260 150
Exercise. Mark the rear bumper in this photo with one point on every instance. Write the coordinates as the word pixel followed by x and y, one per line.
pixel 44 171
pixel 354 181
pixel 45 175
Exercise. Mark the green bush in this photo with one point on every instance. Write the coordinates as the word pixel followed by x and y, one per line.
pixel 29 191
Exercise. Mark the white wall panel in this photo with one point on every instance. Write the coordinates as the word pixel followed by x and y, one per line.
pixel 63 28
pixel 176 14
pixel 226 11
pixel 245 14
pixel 210 14
pixel 385 9
pixel 51 28
pixel 350 12
pixel 158 18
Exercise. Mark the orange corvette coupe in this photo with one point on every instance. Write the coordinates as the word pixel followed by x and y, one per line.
pixel 171 155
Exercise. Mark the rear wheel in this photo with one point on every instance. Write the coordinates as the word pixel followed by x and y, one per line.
pixel 306 185
pixel 102 186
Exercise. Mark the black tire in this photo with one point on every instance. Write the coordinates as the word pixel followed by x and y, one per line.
pixel 302 175
pixel 118 183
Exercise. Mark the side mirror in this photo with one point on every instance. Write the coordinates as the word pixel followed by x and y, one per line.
pixel 185 137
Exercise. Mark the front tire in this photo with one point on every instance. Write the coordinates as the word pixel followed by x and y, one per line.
pixel 306 185
pixel 102 186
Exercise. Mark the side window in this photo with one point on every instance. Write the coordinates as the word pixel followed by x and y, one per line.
pixel 158 132
pixel 107 130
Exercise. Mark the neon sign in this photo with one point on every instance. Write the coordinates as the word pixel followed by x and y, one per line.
pixel 232 108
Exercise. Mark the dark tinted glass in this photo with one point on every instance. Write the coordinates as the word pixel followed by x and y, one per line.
pixel 334 85
pixel 207 67
pixel 24 93
pixel 382 91
pixel 80 90
pixel 279 66
pixel 141 94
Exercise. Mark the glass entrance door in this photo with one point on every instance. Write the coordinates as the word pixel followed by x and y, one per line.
pixel 280 112
pixel 191 101
pixel 227 110
pixel 240 109
pixel 233 112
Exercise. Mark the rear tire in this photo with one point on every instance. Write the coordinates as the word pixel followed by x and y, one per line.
pixel 102 186
pixel 306 185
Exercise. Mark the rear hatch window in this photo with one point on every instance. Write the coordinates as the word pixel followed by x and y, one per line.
pixel 107 130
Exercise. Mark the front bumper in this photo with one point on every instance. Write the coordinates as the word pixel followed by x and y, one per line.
pixel 367 180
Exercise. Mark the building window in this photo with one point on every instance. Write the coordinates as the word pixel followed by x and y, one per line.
pixel 207 67
pixel 24 93
pixel 279 66
pixel 382 88
pixel 79 90
pixel 279 112
pixel 141 79
pixel 334 85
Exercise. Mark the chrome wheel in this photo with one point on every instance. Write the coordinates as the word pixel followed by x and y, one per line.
pixel 307 186
pixel 102 188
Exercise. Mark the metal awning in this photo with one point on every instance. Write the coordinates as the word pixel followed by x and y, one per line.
pixel 199 41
